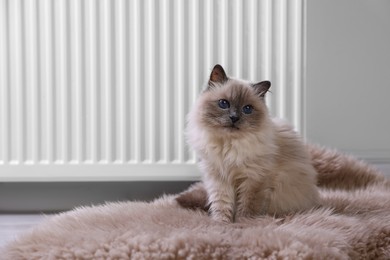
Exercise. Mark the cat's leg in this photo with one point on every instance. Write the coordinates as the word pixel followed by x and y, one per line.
pixel 252 201
pixel 246 206
pixel 221 198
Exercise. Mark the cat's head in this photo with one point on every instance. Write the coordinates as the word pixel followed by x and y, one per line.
pixel 232 106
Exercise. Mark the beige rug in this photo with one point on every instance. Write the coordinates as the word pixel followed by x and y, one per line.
pixel 353 223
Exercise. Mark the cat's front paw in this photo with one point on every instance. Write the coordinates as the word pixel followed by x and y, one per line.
pixel 224 218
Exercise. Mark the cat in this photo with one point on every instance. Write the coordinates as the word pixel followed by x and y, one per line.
pixel 251 163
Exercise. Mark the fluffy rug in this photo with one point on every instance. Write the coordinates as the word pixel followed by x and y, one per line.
pixel 352 223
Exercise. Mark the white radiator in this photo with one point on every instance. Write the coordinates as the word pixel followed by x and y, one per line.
pixel 99 89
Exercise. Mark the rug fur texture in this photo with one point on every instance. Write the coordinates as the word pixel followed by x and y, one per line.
pixel 352 223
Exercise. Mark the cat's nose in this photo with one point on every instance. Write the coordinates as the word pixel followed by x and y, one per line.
pixel 234 118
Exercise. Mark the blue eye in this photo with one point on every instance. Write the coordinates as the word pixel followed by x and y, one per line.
pixel 223 103
pixel 247 109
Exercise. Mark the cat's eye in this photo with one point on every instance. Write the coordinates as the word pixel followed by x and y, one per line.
pixel 223 103
pixel 247 109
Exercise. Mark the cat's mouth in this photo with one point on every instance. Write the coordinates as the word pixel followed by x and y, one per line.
pixel 234 127
pixel 230 127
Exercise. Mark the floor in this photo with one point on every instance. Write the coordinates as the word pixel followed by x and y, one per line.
pixel 11 225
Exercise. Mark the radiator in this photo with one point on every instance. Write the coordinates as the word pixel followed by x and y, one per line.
pixel 100 89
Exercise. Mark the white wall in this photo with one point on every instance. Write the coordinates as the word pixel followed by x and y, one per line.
pixel 348 76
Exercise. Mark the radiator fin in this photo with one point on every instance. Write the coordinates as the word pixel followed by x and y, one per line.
pixel 100 82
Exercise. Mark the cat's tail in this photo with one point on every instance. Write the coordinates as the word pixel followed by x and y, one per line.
pixel 195 197
pixel 341 171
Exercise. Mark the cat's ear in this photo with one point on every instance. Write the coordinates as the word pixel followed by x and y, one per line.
pixel 262 88
pixel 217 75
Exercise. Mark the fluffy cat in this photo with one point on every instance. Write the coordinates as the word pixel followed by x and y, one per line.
pixel 251 164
